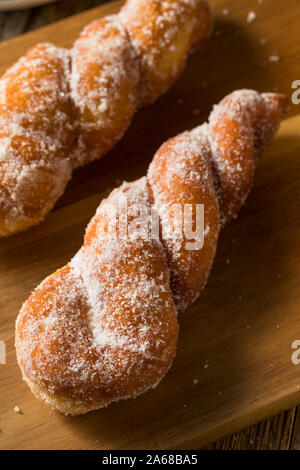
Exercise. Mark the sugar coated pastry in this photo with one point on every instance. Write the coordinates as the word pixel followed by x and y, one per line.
pixel 104 327
pixel 60 109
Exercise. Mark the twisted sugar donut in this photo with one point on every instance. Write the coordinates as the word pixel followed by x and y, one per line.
pixel 60 109
pixel 104 327
pixel 163 33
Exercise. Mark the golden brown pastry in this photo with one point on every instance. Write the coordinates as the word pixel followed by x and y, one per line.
pixel 60 108
pixel 104 327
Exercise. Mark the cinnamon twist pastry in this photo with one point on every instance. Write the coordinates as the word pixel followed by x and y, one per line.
pixel 104 327
pixel 60 108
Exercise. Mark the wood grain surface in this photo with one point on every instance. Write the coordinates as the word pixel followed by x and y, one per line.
pixel 244 323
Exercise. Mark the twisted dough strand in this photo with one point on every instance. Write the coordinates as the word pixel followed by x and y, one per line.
pixel 60 109
pixel 104 327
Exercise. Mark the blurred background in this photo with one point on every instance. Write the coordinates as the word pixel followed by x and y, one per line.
pixel 20 16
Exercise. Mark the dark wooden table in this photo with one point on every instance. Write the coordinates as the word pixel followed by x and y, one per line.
pixel 281 431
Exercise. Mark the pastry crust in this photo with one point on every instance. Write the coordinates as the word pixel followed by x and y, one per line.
pixel 163 34
pixel 104 327
pixel 35 137
pixel 104 80
pixel 60 109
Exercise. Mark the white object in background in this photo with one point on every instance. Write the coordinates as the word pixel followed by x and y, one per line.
pixel 6 5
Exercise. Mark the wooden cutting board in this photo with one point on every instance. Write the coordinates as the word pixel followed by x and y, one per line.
pixel 233 366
